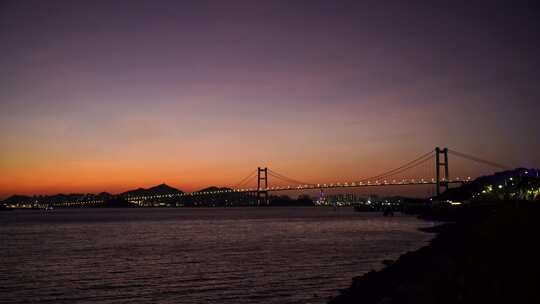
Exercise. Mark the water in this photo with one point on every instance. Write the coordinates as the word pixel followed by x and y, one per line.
pixel 207 255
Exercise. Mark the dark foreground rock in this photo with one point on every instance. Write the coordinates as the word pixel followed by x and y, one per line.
pixel 493 258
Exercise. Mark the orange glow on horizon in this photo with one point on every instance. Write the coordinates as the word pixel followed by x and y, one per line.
pixel 117 177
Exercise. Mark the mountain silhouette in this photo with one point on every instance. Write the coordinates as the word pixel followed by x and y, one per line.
pixel 16 199
pixel 214 188
pixel 521 176
pixel 161 189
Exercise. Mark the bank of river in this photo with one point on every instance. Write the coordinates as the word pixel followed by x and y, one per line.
pixel 489 255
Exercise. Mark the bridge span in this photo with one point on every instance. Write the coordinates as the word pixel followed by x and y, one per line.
pixel 394 177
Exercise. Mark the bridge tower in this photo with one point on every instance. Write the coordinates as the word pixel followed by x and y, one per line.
pixel 438 164
pixel 262 180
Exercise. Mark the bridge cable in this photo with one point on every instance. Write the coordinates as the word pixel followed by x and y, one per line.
pixel 408 165
pixel 244 180
pixel 407 168
pixel 402 170
pixel 285 178
pixel 476 159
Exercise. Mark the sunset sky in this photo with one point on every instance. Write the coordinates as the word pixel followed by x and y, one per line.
pixel 111 95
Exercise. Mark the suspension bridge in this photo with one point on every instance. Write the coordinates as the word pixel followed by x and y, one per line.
pixel 394 177
pixel 432 169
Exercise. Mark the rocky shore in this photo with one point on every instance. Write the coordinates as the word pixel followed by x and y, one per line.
pixel 489 254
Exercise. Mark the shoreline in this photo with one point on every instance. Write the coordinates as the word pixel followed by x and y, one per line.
pixel 487 255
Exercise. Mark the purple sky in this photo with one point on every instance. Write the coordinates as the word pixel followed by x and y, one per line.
pixel 107 95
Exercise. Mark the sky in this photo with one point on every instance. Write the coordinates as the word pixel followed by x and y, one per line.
pixel 111 95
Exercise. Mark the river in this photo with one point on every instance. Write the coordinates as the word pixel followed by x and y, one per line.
pixel 194 255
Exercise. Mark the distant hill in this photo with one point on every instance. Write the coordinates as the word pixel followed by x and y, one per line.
pixel 138 191
pixel 16 199
pixel 214 188
pixel 161 189
pixel 467 190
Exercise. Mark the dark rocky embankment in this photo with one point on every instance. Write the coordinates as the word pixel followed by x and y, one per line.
pixel 490 254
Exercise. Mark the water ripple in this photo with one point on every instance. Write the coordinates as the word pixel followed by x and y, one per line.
pixel 234 255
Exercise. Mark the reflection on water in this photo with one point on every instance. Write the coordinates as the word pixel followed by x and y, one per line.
pixel 230 255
